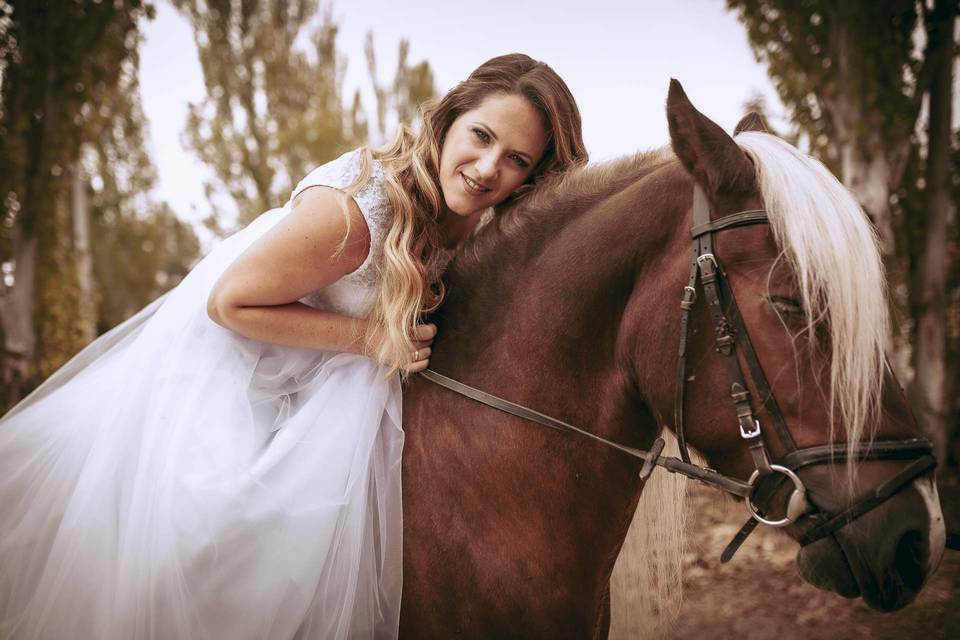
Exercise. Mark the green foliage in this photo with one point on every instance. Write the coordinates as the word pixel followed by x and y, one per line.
pixel 61 62
pixel 70 102
pixel 411 87
pixel 825 56
pixel 138 258
pixel 275 109
pixel 272 111
pixel 140 248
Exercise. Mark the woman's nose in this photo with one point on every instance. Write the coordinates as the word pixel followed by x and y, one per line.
pixel 487 166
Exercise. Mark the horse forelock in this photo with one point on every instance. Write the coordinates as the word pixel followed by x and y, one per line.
pixel 832 248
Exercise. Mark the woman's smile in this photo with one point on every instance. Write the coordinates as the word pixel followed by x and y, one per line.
pixel 473 186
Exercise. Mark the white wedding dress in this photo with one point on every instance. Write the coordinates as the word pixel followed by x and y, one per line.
pixel 176 480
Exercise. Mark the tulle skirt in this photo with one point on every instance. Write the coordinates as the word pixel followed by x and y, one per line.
pixel 175 480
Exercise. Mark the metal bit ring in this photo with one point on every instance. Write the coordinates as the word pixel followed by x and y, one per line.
pixel 796 507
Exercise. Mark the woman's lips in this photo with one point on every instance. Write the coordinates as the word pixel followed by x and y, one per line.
pixel 472 186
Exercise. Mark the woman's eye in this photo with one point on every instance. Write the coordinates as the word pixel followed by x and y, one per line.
pixel 481 135
pixel 519 161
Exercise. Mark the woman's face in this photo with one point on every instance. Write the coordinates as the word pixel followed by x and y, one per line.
pixel 490 151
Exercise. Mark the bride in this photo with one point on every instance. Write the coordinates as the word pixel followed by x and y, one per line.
pixel 226 463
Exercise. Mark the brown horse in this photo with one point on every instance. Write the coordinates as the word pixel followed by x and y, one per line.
pixel 569 304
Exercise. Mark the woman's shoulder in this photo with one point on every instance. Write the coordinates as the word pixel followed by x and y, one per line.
pixel 371 197
pixel 341 173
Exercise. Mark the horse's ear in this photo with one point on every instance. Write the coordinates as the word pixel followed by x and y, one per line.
pixel 753 121
pixel 705 150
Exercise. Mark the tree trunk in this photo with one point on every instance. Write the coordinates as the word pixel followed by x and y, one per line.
pixel 928 389
pixel 864 165
pixel 59 325
pixel 866 172
pixel 16 314
pixel 83 256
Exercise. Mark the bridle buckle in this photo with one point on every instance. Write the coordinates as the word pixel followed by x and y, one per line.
pixel 750 432
pixel 707 257
pixel 689 298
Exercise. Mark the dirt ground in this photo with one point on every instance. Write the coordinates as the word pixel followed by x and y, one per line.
pixel 759 595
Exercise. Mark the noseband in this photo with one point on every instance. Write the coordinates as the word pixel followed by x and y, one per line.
pixel 767 477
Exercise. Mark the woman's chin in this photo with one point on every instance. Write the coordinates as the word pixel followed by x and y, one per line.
pixel 460 208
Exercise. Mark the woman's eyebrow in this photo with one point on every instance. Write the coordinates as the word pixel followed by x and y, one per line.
pixel 527 156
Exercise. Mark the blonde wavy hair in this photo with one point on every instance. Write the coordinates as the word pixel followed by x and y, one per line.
pixel 410 284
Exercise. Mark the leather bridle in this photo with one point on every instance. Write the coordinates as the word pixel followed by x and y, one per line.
pixel 767 476
pixel 730 332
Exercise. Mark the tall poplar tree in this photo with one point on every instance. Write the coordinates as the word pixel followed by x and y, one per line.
pixel 273 111
pixel 275 108
pixel 59 62
pixel 411 86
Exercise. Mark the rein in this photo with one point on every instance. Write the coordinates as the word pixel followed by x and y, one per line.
pixel 651 458
pixel 731 331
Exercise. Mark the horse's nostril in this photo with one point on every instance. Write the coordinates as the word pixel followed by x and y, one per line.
pixel 910 561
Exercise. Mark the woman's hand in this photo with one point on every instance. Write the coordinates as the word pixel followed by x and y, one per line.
pixel 423 336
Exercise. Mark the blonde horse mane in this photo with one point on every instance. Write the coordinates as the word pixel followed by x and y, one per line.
pixel 829 243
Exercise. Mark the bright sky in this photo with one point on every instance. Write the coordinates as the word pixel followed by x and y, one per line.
pixel 616 56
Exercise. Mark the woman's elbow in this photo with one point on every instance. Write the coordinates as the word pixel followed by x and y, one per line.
pixel 218 307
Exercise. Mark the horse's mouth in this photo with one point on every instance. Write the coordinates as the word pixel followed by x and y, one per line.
pixel 826 565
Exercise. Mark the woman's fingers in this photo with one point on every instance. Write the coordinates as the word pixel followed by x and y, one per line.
pixel 420 355
pixel 417 367
pixel 424 332
pixel 422 338
pixel 419 360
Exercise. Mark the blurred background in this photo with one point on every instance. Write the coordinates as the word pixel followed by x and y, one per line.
pixel 134 135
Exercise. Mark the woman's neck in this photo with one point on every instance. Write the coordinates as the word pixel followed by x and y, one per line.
pixel 455 228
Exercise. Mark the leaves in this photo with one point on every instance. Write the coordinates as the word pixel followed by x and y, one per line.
pixel 844 69
pixel 70 104
pixel 272 111
pixel 140 248
pixel 274 108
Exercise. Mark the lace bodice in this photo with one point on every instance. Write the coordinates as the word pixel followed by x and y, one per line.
pixel 355 293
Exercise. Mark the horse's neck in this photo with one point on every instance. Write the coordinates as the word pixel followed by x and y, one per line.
pixel 545 321
pixel 543 328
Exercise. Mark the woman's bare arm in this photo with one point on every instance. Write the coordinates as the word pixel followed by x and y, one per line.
pixel 257 295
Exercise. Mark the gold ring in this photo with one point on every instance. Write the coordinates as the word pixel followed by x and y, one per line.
pixel 416 355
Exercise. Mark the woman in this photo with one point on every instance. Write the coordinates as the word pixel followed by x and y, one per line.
pixel 226 464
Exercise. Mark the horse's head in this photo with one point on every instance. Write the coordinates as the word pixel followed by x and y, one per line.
pixel 809 288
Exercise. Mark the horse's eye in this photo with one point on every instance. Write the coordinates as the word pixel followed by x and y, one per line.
pixel 787 308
